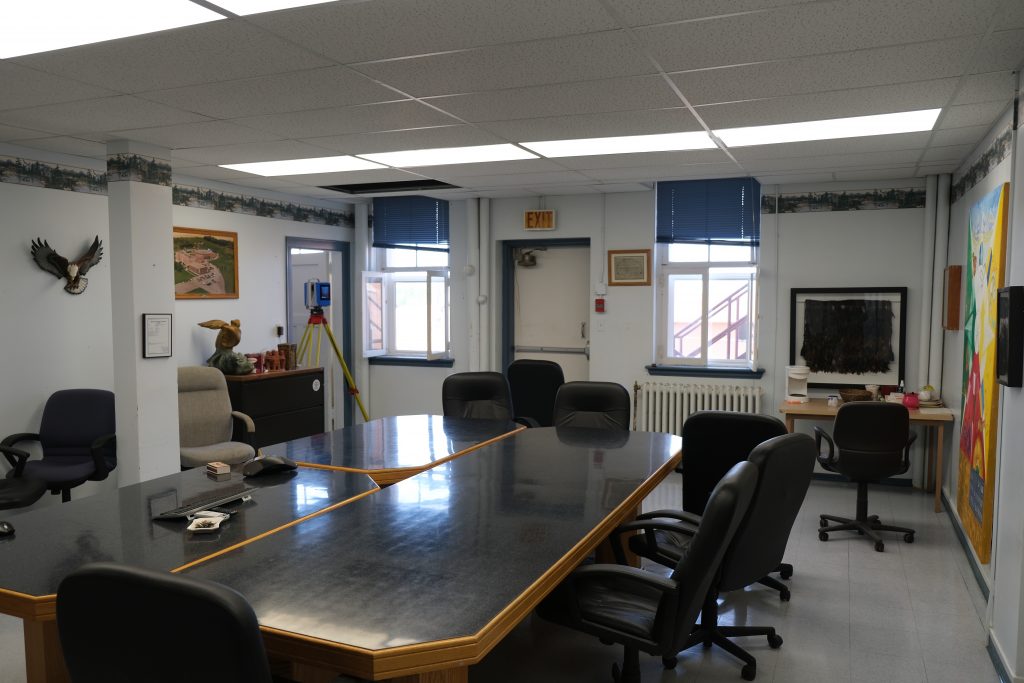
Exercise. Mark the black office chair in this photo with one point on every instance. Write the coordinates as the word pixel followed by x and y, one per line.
pixel 594 405
pixel 121 623
pixel 873 442
pixel 76 434
pixel 714 441
pixel 644 611
pixel 481 395
pixel 785 465
pixel 534 384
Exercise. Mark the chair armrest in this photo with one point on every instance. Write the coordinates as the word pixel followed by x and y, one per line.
pixel 680 515
pixel 829 462
pixel 906 450
pixel 99 448
pixel 526 421
pixel 648 526
pixel 16 457
pixel 625 576
pixel 15 438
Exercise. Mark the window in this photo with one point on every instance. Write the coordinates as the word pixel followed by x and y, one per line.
pixel 406 300
pixel 708 234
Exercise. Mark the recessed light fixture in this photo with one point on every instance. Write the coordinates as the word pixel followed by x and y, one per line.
pixel 450 155
pixel 304 166
pixel 243 7
pixel 627 144
pixel 830 129
pixel 42 25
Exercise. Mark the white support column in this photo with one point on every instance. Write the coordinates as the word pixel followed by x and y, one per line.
pixel 360 262
pixel 941 251
pixel 487 289
pixel 142 281
pixel 472 272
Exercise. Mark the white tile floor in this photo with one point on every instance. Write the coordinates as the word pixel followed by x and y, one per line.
pixel 911 614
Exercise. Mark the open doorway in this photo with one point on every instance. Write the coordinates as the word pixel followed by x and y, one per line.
pixel 546 303
pixel 327 261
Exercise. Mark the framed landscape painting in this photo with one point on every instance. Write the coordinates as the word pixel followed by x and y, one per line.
pixel 205 264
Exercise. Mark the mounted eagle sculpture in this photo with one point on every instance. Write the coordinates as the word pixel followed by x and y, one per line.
pixel 224 359
pixel 72 271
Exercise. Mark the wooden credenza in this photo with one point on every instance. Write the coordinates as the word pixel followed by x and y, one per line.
pixel 285 405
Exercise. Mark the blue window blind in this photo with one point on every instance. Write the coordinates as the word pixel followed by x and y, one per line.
pixel 413 222
pixel 723 211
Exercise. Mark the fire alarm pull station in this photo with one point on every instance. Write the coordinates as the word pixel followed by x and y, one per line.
pixel 599 305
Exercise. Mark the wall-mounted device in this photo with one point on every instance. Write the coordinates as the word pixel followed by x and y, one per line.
pixel 796 383
pixel 317 294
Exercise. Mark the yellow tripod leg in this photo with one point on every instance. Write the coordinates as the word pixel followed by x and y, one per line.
pixel 348 375
pixel 300 354
pixel 319 336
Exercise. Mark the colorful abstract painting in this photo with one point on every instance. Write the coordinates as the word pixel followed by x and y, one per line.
pixel 986 239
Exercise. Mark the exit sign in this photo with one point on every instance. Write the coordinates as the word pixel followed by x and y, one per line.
pixel 539 220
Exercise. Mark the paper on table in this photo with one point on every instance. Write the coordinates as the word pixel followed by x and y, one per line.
pixel 935 411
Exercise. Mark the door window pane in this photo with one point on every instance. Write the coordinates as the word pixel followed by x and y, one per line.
pixel 411 316
pixel 730 314
pixel 686 310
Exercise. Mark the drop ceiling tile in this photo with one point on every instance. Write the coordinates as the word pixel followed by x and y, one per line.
pixel 624 187
pixel 23 87
pixel 498 194
pixel 1003 50
pixel 793 178
pixel 866 160
pixel 375 175
pixel 988 87
pixel 104 114
pixel 343 120
pixel 821 73
pixel 206 53
pixel 1011 15
pixel 971 135
pixel 877 174
pixel 929 169
pixel 250 152
pixel 362 31
pixel 563 99
pixel 69 145
pixel 837 104
pixel 563 189
pixel 684 158
pixel 490 168
pixel 257 183
pixel 218 173
pixel 674 120
pixel 953 153
pixel 9 133
pixel 519 179
pixel 335 86
pixel 197 134
pixel 459 135
pixel 655 173
pixel 610 54
pixel 646 12
pixel 810 29
pixel 980 114
pixel 875 143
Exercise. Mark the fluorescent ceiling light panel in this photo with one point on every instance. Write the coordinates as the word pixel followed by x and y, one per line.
pixel 31 26
pixel 243 7
pixel 450 155
pixel 304 166
pixel 627 144
pixel 830 129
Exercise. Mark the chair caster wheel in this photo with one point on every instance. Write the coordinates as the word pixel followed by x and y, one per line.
pixel 785 574
pixel 774 641
pixel 784 595
pixel 616 673
pixel 669 662
pixel 879 547
pixel 749 672
pixel 823 521
pixel 909 538
pixel 822 536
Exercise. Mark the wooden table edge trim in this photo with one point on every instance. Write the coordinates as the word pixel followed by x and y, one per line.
pixel 464 650
pixel 28 607
pixel 393 475
pixel 275 530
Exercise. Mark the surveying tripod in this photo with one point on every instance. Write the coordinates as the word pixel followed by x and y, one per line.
pixel 305 352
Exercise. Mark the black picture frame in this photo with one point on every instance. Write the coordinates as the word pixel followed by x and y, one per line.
pixel 157 335
pixel 1010 336
pixel 897 369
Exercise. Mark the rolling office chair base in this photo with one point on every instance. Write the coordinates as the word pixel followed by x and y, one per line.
pixel 869 527
pixel 630 671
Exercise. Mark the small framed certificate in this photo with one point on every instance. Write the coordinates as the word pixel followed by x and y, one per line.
pixel 629 267
pixel 156 335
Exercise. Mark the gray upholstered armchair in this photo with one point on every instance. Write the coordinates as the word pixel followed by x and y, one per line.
pixel 206 421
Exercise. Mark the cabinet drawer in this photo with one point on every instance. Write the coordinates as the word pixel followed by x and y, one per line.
pixel 278 394
pixel 272 429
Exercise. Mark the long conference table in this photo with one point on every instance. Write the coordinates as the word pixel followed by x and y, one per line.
pixel 412 582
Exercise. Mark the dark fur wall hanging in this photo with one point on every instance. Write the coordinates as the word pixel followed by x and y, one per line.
pixel 849 336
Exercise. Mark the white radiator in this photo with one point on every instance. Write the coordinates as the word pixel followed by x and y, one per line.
pixel 663 407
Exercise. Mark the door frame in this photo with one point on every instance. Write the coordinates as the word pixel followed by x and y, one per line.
pixel 508 313
pixel 345 250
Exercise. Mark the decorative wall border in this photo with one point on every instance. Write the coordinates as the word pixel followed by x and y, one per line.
pixel 136 168
pixel 21 171
pixel 844 200
pixel 983 165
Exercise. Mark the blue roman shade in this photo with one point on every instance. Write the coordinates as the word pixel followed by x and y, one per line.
pixel 410 223
pixel 723 211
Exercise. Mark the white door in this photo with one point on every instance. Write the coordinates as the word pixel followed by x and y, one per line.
pixel 552 307
pixel 325 266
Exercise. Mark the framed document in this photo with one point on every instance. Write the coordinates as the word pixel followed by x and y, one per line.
pixel 629 267
pixel 156 335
